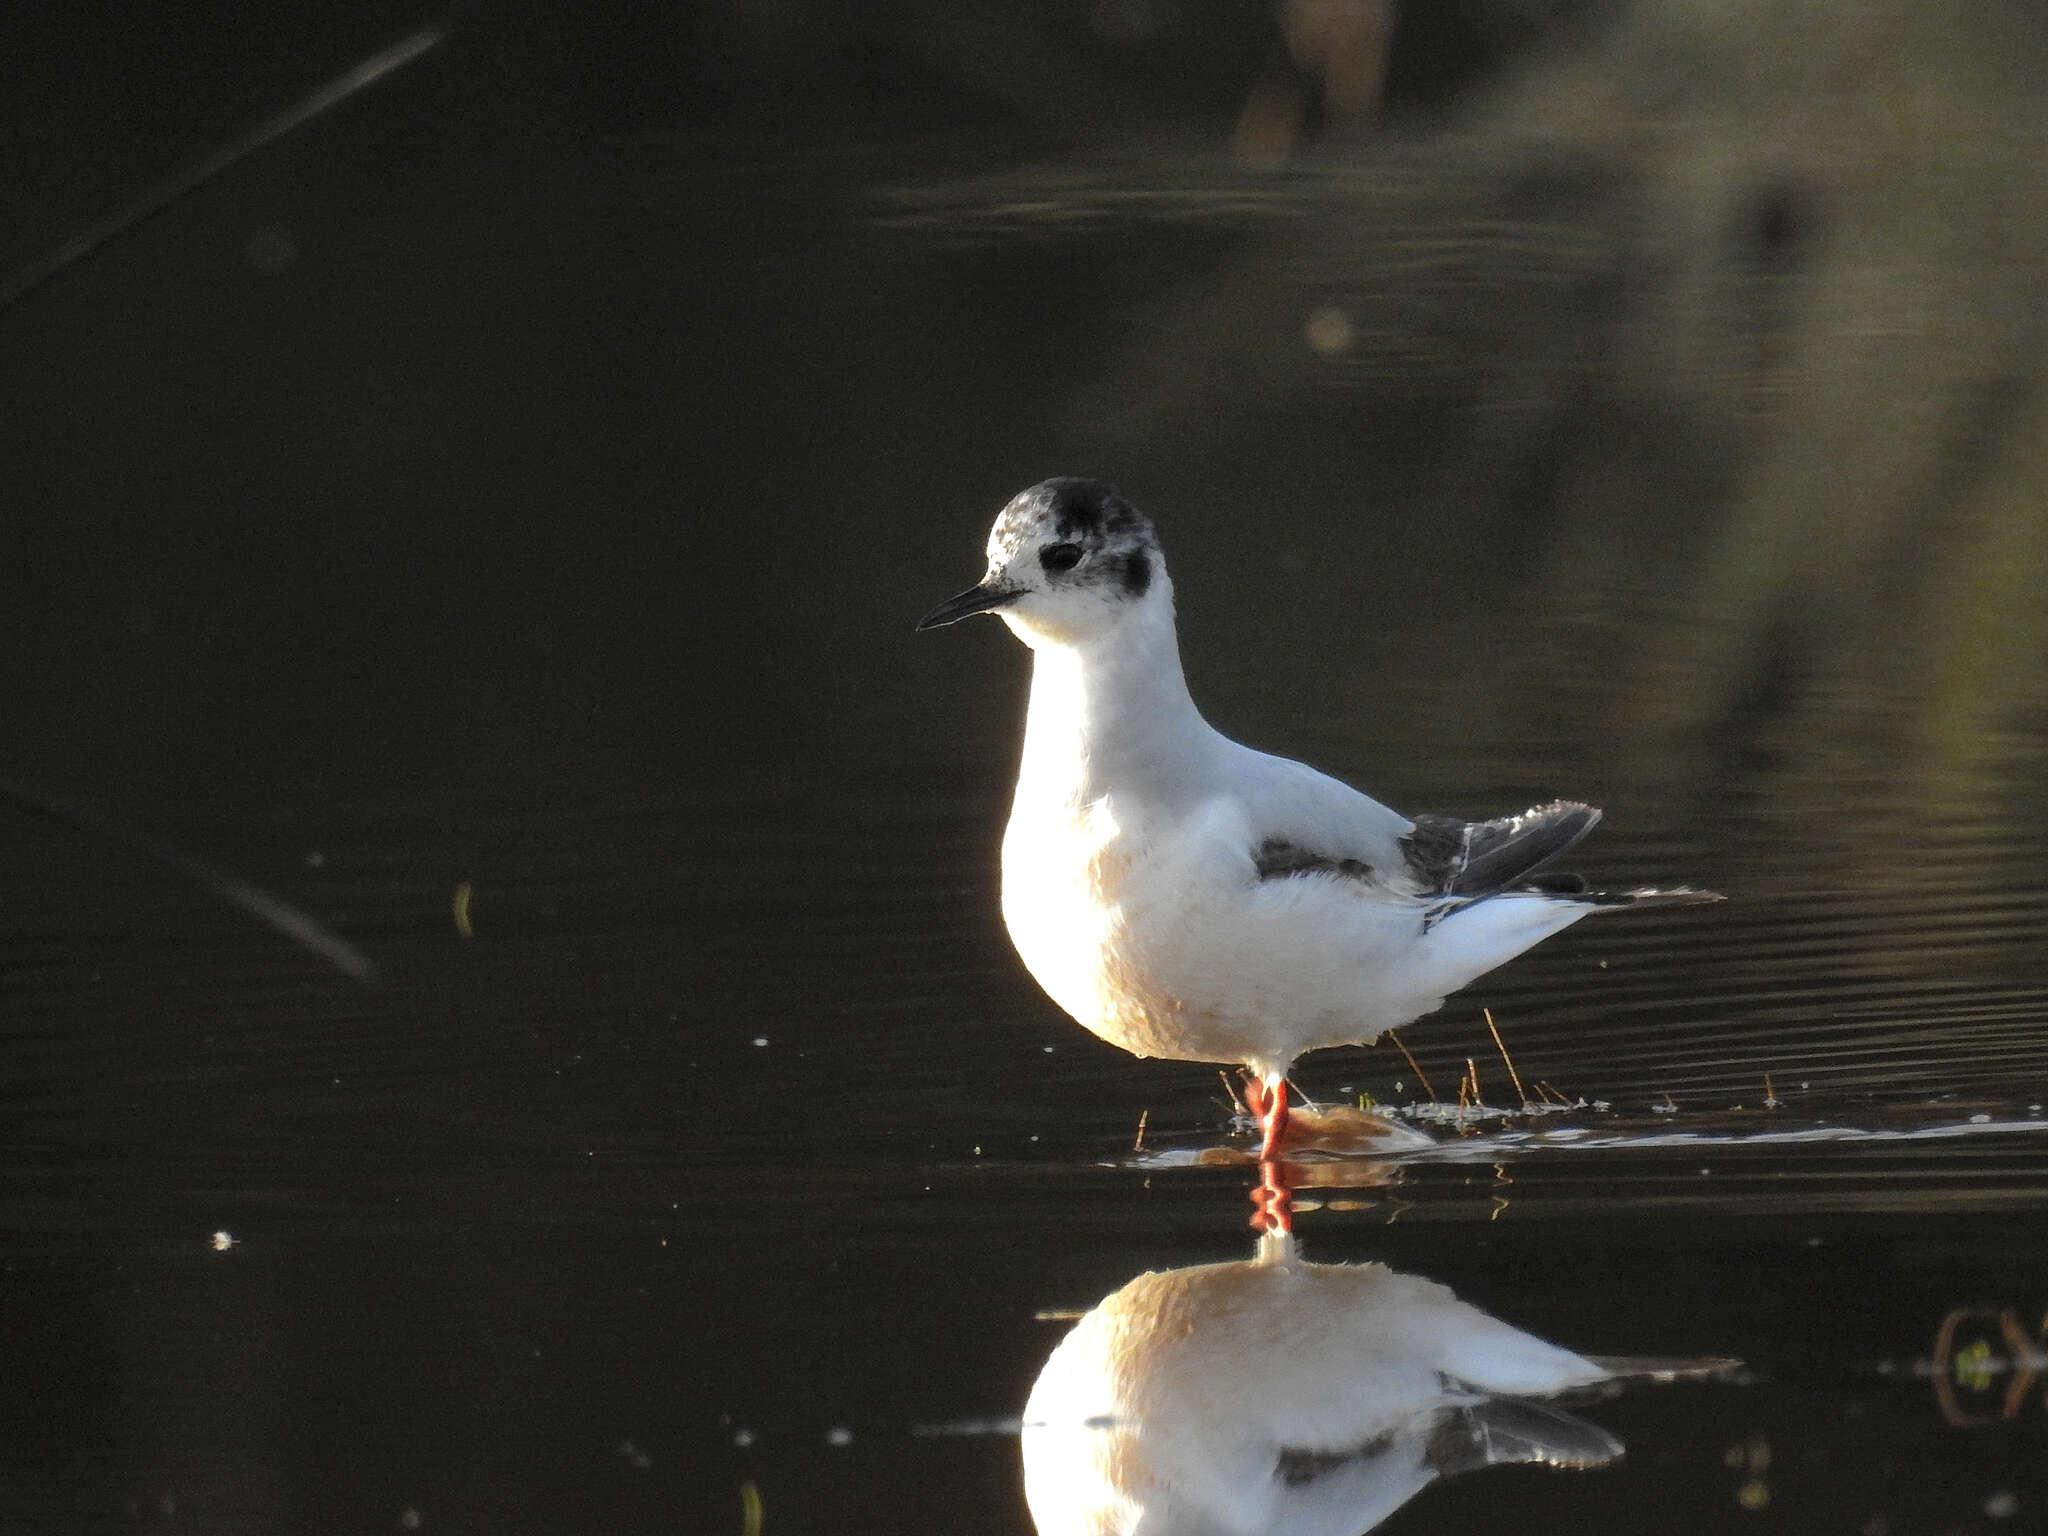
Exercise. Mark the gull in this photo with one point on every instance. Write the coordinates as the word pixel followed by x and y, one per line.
pixel 1184 896
pixel 1279 1396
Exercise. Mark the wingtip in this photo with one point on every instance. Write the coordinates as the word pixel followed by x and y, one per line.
pixel 1652 896
pixel 1475 859
pixel 1584 815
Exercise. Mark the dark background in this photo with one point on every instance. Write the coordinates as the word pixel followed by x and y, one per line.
pixel 526 475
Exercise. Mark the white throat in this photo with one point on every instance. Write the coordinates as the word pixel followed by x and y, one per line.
pixel 1110 710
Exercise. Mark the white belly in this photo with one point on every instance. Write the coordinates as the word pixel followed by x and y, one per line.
pixel 1063 882
pixel 1143 939
pixel 1164 941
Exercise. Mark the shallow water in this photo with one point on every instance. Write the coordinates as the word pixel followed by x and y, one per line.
pixel 643 1197
pixel 537 551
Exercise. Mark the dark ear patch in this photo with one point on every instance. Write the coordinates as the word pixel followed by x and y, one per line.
pixel 1137 573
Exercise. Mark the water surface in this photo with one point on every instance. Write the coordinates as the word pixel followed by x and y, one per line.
pixel 540 544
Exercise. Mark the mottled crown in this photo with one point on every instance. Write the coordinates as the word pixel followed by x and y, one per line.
pixel 1071 510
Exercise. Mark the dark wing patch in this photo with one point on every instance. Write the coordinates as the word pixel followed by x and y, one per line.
pixel 1298 1468
pixel 1277 859
pixel 1470 859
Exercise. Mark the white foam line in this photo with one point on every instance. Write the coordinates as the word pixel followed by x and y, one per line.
pixel 1578 1138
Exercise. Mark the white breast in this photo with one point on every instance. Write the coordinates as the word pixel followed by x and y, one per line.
pixel 1138 929
pixel 1063 873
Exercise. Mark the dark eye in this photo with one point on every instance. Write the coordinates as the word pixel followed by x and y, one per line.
pixel 1060 557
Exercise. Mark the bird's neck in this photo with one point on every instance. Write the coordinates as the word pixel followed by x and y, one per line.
pixel 1110 711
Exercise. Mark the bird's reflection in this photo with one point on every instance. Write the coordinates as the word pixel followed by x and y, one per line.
pixel 1276 1395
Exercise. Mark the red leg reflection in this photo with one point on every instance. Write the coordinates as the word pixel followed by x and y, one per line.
pixel 1272 1201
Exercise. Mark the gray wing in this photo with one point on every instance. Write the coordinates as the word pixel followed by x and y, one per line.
pixel 1304 822
pixel 1307 823
pixel 1323 1493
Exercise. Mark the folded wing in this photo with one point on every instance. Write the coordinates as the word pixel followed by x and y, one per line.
pixel 1465 860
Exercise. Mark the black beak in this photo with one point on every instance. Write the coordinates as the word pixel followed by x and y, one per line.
pixel 974 600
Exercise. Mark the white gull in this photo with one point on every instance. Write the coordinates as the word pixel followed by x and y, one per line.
pixel 1184 896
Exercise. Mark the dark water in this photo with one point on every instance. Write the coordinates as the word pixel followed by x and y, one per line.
pixel 538 538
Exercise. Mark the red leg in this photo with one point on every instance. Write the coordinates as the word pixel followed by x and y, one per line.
pixel 1272 1117
pixel 1272 1201
pixel 1254 1095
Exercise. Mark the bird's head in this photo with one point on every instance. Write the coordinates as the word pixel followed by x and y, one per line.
pixel 1068 560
